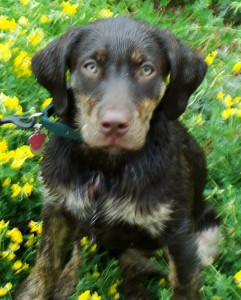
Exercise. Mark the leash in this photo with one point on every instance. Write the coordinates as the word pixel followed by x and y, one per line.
pixel 57 128
pixel 36 140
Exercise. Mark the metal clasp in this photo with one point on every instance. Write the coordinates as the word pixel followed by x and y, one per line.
pixel 21 122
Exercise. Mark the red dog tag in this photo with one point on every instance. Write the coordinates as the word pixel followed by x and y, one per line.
pixel 36 142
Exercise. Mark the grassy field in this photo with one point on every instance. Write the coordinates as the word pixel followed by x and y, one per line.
pixel 213 116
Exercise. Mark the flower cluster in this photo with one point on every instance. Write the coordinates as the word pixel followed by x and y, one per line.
pixel 4 290
pixel 6 24
pixel 69 9
pixel 210 57
pixel 13 238
pixel 88 245
pixel 88 296
pixel 113 292
pixel 232 105
pixel 9 105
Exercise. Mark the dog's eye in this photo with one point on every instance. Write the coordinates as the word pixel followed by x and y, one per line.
pixel 91 67
pixel 146 70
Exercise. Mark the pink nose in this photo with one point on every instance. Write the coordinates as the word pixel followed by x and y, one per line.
pixel 114 122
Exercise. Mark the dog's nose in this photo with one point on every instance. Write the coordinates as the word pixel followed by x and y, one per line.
pixel 114 122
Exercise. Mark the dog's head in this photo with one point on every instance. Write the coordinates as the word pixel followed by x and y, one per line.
pixel 118 69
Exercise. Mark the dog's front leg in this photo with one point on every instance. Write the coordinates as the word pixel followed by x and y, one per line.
pixel 40 284
pixel 184 266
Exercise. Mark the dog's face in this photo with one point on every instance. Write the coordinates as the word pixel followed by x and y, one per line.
pixel 118 79
pixel 118 70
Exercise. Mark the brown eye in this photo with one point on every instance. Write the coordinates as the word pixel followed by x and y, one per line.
pixel 146 70
pixel 91 67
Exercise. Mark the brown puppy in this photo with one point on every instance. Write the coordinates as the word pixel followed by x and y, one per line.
pixel 135 183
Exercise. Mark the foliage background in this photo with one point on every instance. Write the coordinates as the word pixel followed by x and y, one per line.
pixel 213 116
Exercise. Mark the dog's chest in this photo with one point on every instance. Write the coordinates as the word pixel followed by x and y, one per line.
pixel 107 213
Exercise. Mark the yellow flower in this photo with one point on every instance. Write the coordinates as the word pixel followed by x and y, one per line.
pixel 210 57
pixel 24 2
pixel 4 290
pixel 35 227
pixel 21 154
pixel 9 255
pixel 238 113
pixel 95 296
pixel 22 64
pixel 3 145
pixel 237 99
pixel 113 289
pixel 228 101
pixel 220 95
pixel 96 274
pixel 11 102
pixel 4 254
pixel 36 36
pixel 214 53
pixel 17 265
pixel 23 21
pixel 228 113
pixel 24 267
pixel 216 298
pixel 6 182
pixel 16 190
pixel 5 157
pixel 105 13
pixel 68 8
pixel 30 241
pixel 27 189
pixel 3 225
pixel 17 164
pixel 237 277
pixel 85 295
pixel 236 68
pixel 93 248
pixel 15 235
pixel 24 152
pixel 46 102
pixel 5 24
pixel 13 247
pixel 163 282
pixel 84 241
pixel 5 52
pixel 44 19
pixel 199 119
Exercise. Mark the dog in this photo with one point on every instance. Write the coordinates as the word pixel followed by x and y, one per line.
pixel 135 184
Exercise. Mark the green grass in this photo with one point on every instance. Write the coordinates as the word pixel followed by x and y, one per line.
pixel 204 25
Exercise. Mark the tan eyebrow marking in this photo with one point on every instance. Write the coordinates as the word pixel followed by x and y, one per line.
pixel 101 55
pixel 136 57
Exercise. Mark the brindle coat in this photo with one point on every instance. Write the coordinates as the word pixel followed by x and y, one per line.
pixel 135 184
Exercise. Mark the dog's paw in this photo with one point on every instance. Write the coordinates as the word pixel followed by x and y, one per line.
pixel 208 241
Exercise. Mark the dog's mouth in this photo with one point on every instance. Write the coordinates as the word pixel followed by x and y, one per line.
pixel 117 144
pixel 113 141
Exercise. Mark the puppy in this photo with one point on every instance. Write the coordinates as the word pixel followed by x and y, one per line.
pixel 135 182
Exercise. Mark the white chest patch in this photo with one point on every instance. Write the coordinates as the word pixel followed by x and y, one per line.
pixel 128 211
pixel 113 211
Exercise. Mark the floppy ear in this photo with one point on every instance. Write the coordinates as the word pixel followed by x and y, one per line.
pixel 187 70
pixel 50 64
